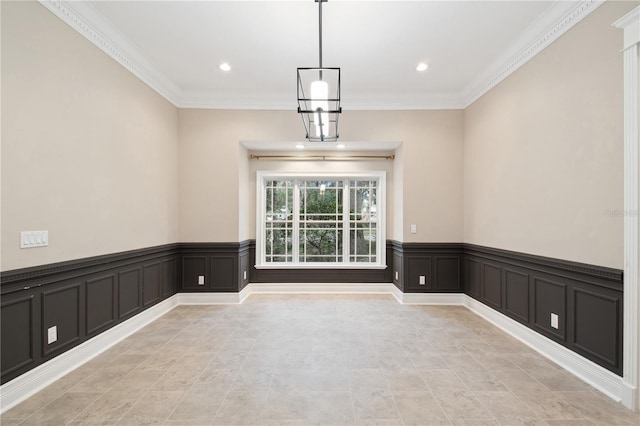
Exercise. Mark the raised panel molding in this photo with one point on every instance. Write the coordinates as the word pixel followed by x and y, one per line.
pixel 516 288
pixel 192 268
pixel 447 272
pixel 536 286
pixel 472 277
pixel 550 297
pixel 507 278
pixel 100 303
pixel 592 333
pixel 18 338
pixel 129 292
pixel 151 282
pixel 61 308
pixel 492 285
pixel 82 298
pixel 168 277
pixel 440 263
pixel 417 266
pixel 224 273
pixel 398 273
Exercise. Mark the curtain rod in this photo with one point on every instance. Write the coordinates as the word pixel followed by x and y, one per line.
pixel 322 157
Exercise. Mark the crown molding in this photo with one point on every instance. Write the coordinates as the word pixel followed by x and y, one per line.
pixel 556 21
pixel 83 18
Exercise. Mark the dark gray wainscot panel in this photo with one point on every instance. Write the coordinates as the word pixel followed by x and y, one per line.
pixel 439 263
pixel 587 299
pixel 322 275
pixel 215 267
pixel 81 298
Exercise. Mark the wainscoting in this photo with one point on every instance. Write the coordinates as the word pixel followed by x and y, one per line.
pixel 86 297
pixel 439 264
pixel 81 299
pixel 215 267
pixel 529 289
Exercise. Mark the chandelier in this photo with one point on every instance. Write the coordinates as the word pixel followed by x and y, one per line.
pixel 319 96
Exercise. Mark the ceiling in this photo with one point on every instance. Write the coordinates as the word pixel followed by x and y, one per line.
pixel 177 46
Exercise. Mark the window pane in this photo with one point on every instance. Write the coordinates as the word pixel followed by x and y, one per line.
pixel 317 242
pixel 279 242
pixel 320 200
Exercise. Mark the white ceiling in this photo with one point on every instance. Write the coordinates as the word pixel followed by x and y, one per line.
pixel 176 47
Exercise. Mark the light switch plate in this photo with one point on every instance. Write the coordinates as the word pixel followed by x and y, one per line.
pixel 31 239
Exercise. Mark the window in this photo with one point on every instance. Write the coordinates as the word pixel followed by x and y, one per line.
pixel 321 220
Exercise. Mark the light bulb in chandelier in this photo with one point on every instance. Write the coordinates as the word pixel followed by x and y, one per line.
pixel 320 104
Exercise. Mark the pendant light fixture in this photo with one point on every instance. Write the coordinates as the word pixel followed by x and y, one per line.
pixel 319 96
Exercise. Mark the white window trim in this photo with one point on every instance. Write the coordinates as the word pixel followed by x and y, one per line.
pixel 263 176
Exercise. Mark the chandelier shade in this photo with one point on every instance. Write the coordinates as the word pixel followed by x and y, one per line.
pixel 319 102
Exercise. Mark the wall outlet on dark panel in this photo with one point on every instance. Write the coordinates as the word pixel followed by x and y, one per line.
pixel 244 275
pixel 554 320
pixel 200 279
pixel 423 280
pixel 52 335
pixel 397 275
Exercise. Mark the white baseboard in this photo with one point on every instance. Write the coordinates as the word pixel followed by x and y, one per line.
pixel 208 298
pixel 602 379
pixel 214 298
pixel 432 298
pixel 26 385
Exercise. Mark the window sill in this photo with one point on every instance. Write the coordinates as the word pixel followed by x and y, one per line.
pixel 321 266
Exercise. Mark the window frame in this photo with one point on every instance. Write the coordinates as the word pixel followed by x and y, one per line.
pixel 263 176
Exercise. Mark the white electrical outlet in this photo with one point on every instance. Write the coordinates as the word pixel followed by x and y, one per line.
pixel 423 279
pixel 244 275
pixel 414 228
pixel 52 334
pixel 397 275
pixel 554 320
pixel 200 279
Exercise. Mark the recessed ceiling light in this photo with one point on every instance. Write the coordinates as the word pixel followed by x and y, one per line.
pixel 341 146
pixel 300 146
pixel 422 66
pixel 225 66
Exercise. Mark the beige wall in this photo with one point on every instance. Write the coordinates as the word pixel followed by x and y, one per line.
pixel 88 150
pixel 217 197
pixel 428 168
pixel 214 192
pixel 543 150
pixel 92 154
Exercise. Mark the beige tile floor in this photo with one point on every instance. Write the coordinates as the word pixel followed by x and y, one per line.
pixel 319 359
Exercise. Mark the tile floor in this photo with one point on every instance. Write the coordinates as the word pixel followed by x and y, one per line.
pixel 319 359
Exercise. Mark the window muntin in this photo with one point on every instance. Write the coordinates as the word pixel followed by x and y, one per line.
pixel 320 220
pixel 363 224
pixel 279 221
